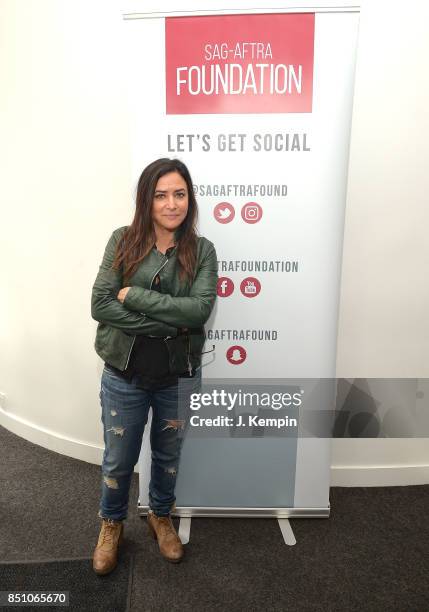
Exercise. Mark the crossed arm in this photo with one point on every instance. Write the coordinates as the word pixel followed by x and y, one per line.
pixel 163 313
pixel 106 308
pixel 190 311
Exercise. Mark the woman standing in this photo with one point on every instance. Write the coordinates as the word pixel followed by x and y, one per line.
pixel 155 289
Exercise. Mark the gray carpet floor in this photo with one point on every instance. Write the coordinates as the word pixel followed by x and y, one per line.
pixel 372 554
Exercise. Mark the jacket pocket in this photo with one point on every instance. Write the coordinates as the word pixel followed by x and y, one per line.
pixel 113 345
pixel 102 337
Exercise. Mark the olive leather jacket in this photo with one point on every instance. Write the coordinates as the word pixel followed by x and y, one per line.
pixel 150 313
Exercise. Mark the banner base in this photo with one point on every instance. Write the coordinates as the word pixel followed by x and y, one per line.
pixel 219 512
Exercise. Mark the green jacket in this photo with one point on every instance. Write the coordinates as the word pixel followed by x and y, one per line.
pixel 151 313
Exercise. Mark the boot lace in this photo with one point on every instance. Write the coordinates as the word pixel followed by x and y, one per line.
pixel 110 529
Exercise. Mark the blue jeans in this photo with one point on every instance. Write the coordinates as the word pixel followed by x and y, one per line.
pixel 125 409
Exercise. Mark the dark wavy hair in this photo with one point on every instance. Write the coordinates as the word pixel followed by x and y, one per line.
pixel 139 238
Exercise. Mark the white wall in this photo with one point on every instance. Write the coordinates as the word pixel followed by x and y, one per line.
pixel 384 326
pixel 65 186
pixel 65 158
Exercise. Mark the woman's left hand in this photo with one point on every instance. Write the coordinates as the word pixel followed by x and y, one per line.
pixel 123 292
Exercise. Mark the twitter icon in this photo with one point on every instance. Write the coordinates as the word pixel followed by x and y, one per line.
pixel 224 212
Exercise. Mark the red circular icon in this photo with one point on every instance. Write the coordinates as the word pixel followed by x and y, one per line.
pixel 225 286
pixel 236 355
pixel 250 287
pixel 224 212
pixel 251 212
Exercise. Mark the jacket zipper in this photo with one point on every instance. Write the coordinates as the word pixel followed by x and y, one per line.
pixel 189 356
pixel 157 272
pixel 129 353
pixel 151 283
pixel 167 337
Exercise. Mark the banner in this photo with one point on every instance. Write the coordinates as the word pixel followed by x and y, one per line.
pixel 259 107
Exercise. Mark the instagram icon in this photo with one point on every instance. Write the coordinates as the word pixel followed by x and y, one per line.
pixel 251 212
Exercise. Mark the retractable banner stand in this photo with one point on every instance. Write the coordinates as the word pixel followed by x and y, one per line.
pixel 259 108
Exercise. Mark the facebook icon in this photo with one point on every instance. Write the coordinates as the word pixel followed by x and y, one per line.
pixel 225 286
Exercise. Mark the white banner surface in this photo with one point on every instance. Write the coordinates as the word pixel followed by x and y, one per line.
pixel 259 108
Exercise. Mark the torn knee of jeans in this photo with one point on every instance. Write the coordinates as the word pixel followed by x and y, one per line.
pixel 176 424
pixel 113 412
pixel 171 470
pixel 118 431
pixel 111 483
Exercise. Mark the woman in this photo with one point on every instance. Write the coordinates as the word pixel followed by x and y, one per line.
pixel 155 289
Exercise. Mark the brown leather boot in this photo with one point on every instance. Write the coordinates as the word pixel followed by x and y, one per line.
pixel 106 552
pixel 162 529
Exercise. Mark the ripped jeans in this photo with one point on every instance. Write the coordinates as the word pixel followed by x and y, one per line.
pixel 125 409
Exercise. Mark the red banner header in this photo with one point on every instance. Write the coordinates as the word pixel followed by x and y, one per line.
pixel 239 64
